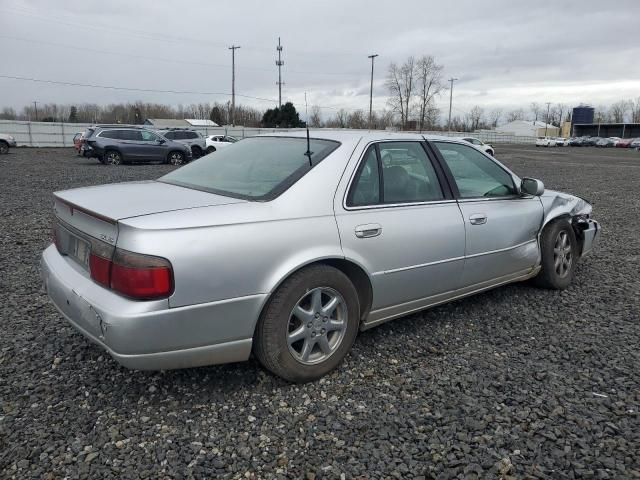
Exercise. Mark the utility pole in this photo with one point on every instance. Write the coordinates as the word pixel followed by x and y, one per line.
pixel 372 57
pixel 451 80
pixel 546 123
pixel 279 63
pixel 233 49
pixel 35 105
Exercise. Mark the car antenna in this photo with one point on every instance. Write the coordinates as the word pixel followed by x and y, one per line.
pixel 308 153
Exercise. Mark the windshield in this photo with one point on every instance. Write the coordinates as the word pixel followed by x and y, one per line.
pixel 257 168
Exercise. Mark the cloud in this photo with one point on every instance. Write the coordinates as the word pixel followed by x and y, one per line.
pixel 505 55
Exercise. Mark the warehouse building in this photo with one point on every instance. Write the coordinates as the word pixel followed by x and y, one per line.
pixel 622 130
pixel 526 128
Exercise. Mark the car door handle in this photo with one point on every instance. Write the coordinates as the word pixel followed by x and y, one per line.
pixel 478 219
pixel 369 230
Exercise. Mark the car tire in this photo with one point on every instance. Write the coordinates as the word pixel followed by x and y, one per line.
pixel 559 249
pixel 112 157
pixel 175 158
pixel 210 150
pixel 299 337
pixel 196 152
pixel 490 152
pixel 4 148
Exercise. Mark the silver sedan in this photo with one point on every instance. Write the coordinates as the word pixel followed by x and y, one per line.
pixel 287 246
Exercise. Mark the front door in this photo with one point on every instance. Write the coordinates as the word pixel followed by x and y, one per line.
pixel 402 226
pixel 501 225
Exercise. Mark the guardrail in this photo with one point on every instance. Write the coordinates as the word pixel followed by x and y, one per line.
pixel 60 134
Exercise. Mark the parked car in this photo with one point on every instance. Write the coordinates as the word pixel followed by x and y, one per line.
pixel 545 142
pixel 605 143
pixel 116 145
pixel 215 142
pixel 575 142
pixel 191 138
pixel 624 143
pixel 485 147
pixel 287 247
pixel 560 141
pixel 635 144
pixel 77 143
pixel 6 141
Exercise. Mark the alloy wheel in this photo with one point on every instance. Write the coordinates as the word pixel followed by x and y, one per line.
pixel 562 254
pixel 317 325
pixel 176 158
pixel 113 158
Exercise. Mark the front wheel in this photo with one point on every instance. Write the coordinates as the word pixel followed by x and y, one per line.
pixel 196 152
pixel 309 324
pixel 176 158
pixel 4 148
pixel 211 149
pixel 559 255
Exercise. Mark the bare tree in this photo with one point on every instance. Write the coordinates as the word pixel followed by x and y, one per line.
pixel 341 117
pixel 556 114
pixel 315 119
pixel 635 110
pixel 536 109
pixel 601 114
pixel 494 117
pixel 514 115
pixel 618 111
pixel 428 84
pixel 474 117
pixel 357 119
pixel 8 113
pixel 400 83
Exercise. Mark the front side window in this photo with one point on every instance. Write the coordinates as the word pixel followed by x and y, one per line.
pixel 475 175
pixel 405 171
pixel 170 135
pixel 189 135
pixel 132 135
pixel 147 136
pixel 258 168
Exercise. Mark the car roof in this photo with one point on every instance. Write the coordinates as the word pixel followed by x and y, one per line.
pixel 367 135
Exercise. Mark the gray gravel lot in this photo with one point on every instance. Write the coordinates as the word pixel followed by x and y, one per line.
pixel 514 383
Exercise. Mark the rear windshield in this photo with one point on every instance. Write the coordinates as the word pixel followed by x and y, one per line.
pixel 257 168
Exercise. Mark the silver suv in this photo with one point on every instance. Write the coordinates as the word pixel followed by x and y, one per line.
pixel 191 138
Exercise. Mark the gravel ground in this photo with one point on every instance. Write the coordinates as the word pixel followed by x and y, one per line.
pixel 514 383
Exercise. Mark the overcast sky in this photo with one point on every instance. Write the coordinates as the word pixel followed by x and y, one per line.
pixel 505 53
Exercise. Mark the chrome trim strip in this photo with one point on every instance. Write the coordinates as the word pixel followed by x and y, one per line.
pixel 411 267
pixel 501 249
pixel 393 205
pixel 453 259
pixel 382 315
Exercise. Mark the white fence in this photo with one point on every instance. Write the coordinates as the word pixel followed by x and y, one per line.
pixel 53 134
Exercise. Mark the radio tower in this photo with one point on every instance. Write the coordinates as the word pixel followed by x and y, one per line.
pixel 279 63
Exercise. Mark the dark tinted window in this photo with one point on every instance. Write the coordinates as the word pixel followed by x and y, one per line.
pixel 132 135
pixel 366 186
pixel 113 134
pixel 189 135
pixel 170 135
pixel 474 173
pixel 407 176
pixel 258 168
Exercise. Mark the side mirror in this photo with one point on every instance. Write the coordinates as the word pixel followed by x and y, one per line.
pixel 161 141
pixel 531 186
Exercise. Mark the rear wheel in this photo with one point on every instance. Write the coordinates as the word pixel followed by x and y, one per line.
pixel 112 157
pixel 196 152
pixel 211 149
pixel 490 152
pixel 176 158
pixel 559 255
pixel 309 324
pixel 4 148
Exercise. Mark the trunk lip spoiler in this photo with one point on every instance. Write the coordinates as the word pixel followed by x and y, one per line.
pixel 73 206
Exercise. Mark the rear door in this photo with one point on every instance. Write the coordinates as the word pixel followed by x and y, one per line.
pixel 501 225
pixel 399 221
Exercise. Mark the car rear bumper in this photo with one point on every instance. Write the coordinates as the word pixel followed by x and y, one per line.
pixel 591 236
pixel 149 335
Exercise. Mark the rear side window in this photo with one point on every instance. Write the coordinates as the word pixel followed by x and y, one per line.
pixel 475 175
pixel 189 135
pixel 113 134
pixel 395 172
pixel 170 135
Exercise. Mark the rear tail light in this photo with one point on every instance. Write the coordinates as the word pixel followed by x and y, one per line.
pixel 141 276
